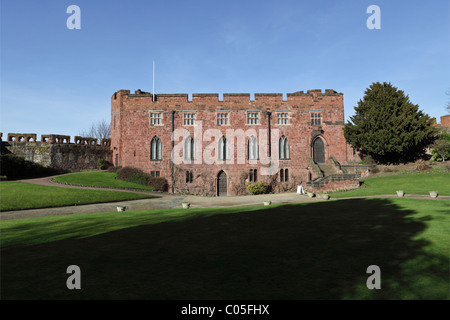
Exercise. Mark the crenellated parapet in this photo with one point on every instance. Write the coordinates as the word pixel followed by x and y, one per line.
pixel 85 141
pixel 105 142
pixel 55 138
pixel 200 98
pixel 21 137
pixel 444 126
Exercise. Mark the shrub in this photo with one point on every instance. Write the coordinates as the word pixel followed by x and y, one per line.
pixel 101 164
pixel 136 175
pixel 257 188
pixel 441 147
pixel 138 178
pixel 366 160
pixel 133 175
pixel 114 169
pixel 159 183
pixel 375 170
pixel 421 165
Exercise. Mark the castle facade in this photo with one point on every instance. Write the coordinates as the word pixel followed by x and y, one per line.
pixel 216 147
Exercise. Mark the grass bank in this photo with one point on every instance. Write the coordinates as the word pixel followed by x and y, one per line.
pixel 99 179
pixel 411 182
pixel 21 195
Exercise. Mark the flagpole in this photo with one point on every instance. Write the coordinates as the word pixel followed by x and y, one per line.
pixel 153 80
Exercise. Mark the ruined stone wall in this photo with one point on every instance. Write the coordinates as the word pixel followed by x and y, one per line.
pixel 132 132
pixel 333 183
pixel 444 126
pixel 57 152
pixel 445 121
pixel 353 155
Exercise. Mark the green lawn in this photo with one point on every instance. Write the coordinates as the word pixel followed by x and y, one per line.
pixel 21 195
pixel 300 251
pixel 410 182
pixel 99 179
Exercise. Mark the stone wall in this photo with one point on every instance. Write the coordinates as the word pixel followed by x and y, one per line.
pixel 444 126
pixel 334 182
pixel 57 152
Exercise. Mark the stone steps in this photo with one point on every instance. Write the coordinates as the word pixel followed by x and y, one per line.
pixel 327 169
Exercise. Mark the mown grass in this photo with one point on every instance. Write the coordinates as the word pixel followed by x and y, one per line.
pixel 99 179
pixel 414 182
pixel 300 251
pixel 53 228
pixel 21 195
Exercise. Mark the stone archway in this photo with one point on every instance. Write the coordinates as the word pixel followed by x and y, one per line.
pixel 222 184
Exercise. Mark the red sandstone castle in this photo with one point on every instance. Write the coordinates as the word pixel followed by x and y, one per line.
pixel 220 146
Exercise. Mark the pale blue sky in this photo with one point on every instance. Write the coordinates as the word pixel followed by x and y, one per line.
pixel 56 80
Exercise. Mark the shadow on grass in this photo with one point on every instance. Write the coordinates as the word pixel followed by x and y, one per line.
pixel 308 251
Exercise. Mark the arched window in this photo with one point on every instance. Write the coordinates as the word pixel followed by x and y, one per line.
pixel 189 148
pixel 284 148
pixel 318 150
pixel 223 149
pixel 155 149
pixel 252 148
pixel 284 175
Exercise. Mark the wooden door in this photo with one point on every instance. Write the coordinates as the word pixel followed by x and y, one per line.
pixel 318 151
pixel 222 186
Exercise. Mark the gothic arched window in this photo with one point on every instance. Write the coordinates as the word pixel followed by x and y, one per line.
pixel 155 149
pixel 284 148
pixel 224 153
pixel 189 149
pixel 252 148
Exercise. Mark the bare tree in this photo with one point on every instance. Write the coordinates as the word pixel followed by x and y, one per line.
pixel 99 130
pixel 448 101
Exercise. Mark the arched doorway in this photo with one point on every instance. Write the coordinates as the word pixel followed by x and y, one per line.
pixel 222 185
pixel 318 151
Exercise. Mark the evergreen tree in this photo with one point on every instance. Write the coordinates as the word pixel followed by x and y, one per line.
pixel 388 127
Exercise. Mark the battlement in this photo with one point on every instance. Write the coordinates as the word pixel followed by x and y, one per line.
pixel 444 125
pixel 315 92
pixel 227 97
pixel 445 121
pixel 85 141
pixel 21 137
pixel 54 139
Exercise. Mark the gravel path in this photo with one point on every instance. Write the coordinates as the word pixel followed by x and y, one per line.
pixel 166 200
